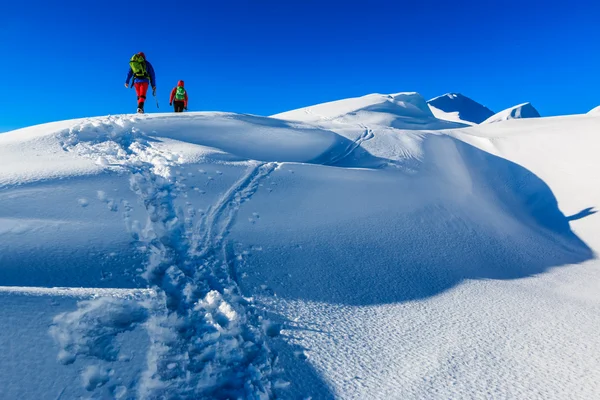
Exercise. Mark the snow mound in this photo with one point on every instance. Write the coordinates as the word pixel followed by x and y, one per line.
pixel 595 110
pixel 232 136
pixel 456 107
pixel 525 110
pixel 407 110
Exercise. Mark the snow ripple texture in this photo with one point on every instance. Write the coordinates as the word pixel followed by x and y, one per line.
pixel 205 339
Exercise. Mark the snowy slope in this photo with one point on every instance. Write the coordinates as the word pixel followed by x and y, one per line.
pixel 401 110
pixel 525 110
pixel 215 255
pixel 595 110
pixel 456 107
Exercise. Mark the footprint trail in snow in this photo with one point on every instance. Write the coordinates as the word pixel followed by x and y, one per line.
pixel 204 339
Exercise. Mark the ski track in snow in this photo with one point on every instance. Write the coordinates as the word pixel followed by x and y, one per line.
pixel 366 135
pixel 205 341
pixel 221 216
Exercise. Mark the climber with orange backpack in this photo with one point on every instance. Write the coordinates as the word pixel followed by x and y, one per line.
pixel 142 73
pixel 179 98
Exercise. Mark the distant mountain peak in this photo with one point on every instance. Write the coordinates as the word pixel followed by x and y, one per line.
pixel 457 107
pixel 449 95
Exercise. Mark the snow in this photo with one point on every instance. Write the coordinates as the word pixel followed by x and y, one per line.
pixel 356 249
pixel 595 110
pixel 525 110
pixel 93 377
pixel 401 110
pixel 456 107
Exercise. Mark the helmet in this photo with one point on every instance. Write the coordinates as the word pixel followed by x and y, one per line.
pixel 141 53
pixel 180 83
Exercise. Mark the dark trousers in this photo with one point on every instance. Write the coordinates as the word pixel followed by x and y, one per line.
pixel 178 106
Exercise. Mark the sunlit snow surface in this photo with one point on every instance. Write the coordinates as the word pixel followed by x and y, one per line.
pixel 525 110
pixel 359 249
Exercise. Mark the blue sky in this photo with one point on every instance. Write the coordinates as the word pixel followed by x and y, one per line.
pixel 68 59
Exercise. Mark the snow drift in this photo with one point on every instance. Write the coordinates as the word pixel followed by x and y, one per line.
pixel 456 107
pixel 525 110
pixel 217 255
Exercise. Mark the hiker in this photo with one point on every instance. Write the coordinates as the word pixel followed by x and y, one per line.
pixel 143 74
pixel 179 94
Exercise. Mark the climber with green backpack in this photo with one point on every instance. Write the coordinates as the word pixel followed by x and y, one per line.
pixel 179 97
pixel 142 73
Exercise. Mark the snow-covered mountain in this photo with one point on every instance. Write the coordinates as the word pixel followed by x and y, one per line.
pixel 401 110
pixel 456 107
pixel 342 253
pixel 525 110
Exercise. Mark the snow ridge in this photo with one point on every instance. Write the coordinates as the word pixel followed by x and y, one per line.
pixel 205 342
pixel 595 110
pixel 405 110
pixel 525 110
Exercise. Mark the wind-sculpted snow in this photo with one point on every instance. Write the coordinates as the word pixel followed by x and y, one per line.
pixel 233 136
pixel 525 110
pixel 401 110
pixel 464 214
pixel 224 256
pixel 97 244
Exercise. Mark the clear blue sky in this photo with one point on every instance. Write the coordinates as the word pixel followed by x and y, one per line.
pixel 68 59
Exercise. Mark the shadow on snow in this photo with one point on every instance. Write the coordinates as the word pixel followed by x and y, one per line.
pixel 465 215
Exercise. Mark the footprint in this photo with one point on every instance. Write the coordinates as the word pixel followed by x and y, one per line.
pixel 300 354
pixel 119 392
pixel 112 205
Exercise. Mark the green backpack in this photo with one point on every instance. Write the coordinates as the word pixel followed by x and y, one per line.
pixel 180 94
pixel 138 66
